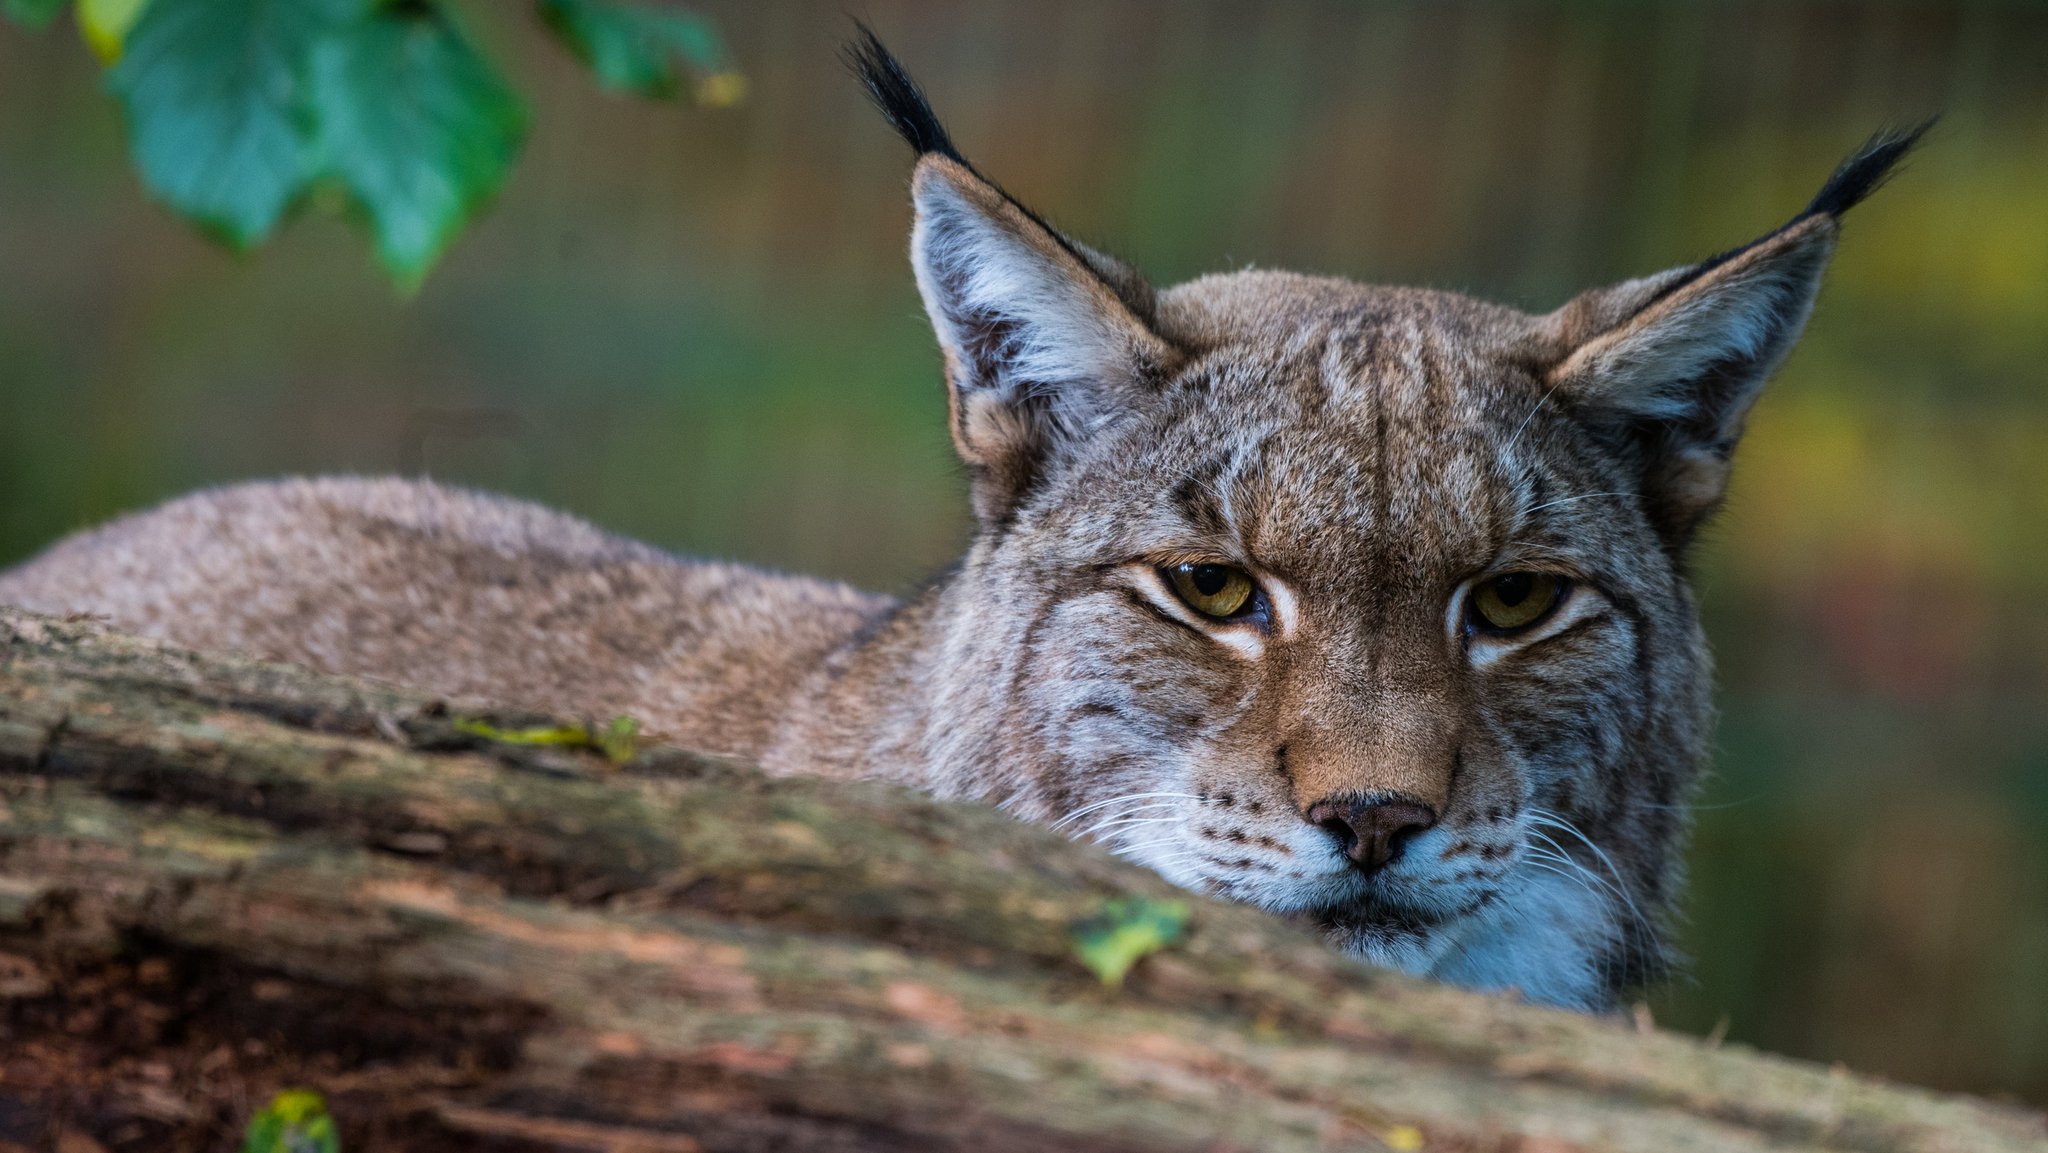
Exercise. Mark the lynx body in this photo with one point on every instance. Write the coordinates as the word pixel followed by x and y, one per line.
pixel 1362 604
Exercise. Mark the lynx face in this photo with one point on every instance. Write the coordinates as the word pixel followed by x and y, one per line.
pixel 1271 654
pixel 1357 603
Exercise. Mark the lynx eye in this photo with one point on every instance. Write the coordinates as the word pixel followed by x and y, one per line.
pixel 1515 600
pixel 1214 590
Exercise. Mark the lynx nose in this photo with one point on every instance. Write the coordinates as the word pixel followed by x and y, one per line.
pixel 1372 832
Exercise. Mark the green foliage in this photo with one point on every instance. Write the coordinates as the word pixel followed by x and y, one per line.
pixel 1127 931
pixel 34 13
pixel 416 125
pixel 644 50
pixel 211 88
pixel 618 741
pixel 237 109
pixel 295 1121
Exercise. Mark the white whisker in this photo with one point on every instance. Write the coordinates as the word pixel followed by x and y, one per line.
pixel 1713 808
pixel 1552 820
pixel 1130 814
pixel 1618 886
pixel 1524 426
pixel 1570 875
pixel 1120 800
pixel 1121 821
pixel 1570 499
pixel 1173 860
pixel 1151 844
pixel 1556 852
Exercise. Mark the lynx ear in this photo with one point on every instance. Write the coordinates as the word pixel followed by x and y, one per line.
pixel 1043 337
pixel 1673 362
pixel 1039 350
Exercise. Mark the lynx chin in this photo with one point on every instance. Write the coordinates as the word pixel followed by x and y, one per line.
pixel 1366 605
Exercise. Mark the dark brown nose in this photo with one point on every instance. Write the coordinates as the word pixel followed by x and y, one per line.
pixel 1371 832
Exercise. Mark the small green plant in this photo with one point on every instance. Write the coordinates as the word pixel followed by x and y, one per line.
pixel 1125 932
pixel 618 741
pixel 295 1121
pixel 240 110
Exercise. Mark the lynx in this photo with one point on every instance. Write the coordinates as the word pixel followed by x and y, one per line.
pixel 1366 605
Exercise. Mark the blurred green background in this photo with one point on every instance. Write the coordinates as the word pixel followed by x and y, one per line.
pixel 697 326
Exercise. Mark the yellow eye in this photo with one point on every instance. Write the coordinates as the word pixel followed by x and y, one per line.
pixel 1214 590
pixel 1515 600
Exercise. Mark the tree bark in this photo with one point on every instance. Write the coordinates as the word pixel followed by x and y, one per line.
pixel 221 877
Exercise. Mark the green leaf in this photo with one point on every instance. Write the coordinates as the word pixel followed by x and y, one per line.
pixel 645 50
pixel 295 1121
pixel 209 87
pixel 418 127
pixel 619 741
pixel 34 13
pixel 1127 931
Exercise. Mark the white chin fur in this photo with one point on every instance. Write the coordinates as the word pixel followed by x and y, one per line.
pixel 1543 940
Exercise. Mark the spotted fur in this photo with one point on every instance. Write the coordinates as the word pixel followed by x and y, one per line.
pixel 1367 454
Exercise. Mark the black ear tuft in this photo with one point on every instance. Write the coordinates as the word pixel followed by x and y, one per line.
pixel 901 101
pixel 1867 170
pixel 903 104
pixel 1854 179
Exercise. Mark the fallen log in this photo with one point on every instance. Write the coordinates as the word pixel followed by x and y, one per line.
pixel 220 878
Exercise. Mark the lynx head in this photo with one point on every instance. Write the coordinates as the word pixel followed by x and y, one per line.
pixel 1364 604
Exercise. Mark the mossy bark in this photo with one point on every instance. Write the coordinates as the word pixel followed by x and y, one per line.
pixel 221 877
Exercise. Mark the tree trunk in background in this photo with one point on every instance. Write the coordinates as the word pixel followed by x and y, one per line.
pixel 220 878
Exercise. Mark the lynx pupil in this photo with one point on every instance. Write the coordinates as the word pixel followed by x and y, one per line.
pixel 1514 588
pixel 1210 579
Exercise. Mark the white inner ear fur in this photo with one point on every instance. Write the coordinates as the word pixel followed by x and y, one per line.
pixel 1747 312
pixel 976 265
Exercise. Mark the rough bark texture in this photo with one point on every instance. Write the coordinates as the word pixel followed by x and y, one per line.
pixel 220 877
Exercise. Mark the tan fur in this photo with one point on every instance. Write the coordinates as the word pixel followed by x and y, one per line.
pixel 461 592
pixel 1368 454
